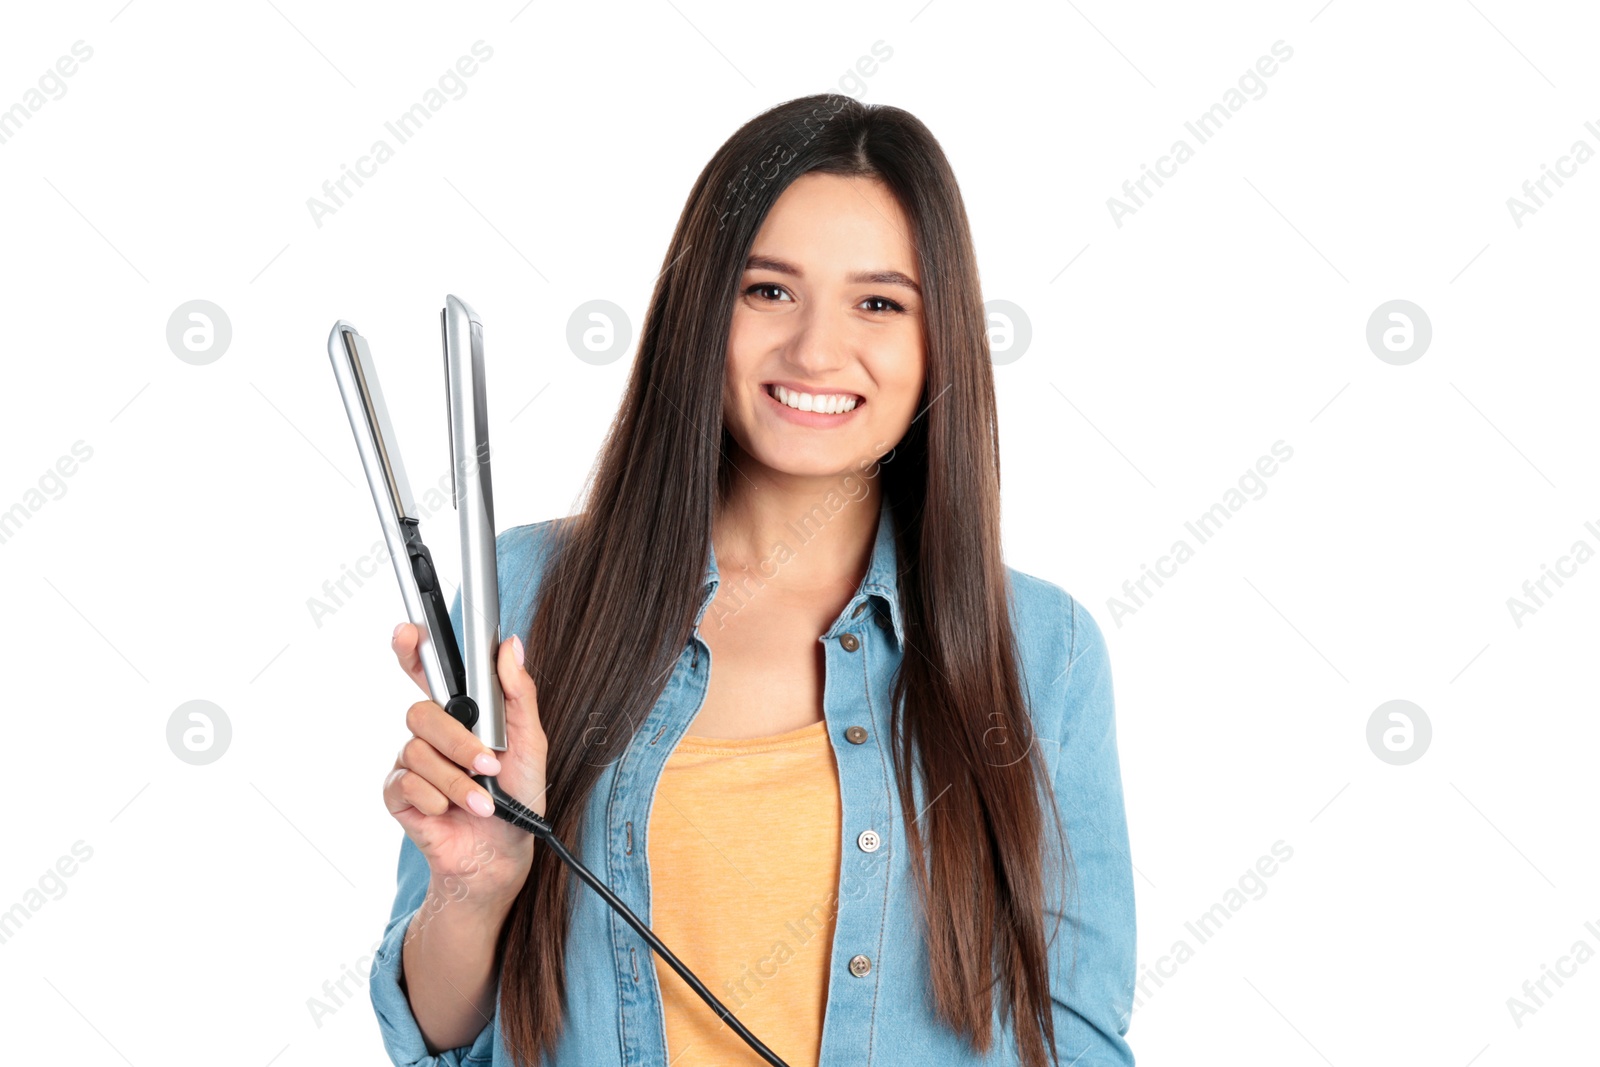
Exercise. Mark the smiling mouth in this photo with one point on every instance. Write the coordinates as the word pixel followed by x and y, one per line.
pixel 822 403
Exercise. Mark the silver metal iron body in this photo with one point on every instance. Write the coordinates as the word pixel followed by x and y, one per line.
pixel 474 502
pixel 386 477
pixel 451 674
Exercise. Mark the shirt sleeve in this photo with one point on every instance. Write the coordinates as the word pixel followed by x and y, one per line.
pixel 1092 959
pixel 401 1035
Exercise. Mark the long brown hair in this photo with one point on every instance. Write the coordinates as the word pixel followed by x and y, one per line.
pixel 621 586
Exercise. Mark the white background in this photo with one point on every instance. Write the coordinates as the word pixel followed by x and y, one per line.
pixel 1167 355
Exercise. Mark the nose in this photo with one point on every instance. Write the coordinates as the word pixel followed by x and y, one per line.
pixel 820 343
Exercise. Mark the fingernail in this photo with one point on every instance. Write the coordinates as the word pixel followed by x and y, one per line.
pixel 481 803
pixel 516 647
pixel 486 764
pixel 396 635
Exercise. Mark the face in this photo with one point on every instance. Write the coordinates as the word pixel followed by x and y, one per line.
pixel 825 351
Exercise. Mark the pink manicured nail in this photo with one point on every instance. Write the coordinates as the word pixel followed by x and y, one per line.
pixel 481 803
pixel 516 647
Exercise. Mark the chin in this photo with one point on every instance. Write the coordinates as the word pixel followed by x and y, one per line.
pixel 806 462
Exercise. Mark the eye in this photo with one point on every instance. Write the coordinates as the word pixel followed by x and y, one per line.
pixel 765 285
pixel 892 306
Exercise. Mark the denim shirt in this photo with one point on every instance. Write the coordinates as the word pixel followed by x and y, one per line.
pixel 879 997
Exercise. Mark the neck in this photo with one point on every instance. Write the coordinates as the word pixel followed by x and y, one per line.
pixel 797 533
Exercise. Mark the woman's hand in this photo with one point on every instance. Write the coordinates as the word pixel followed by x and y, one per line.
pixel 430 792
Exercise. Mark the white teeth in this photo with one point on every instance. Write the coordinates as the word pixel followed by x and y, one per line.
pixel 830 403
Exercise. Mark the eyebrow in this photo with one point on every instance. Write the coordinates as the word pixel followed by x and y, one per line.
pixel 879 277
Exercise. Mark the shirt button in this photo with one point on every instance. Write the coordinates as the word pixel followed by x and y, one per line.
pixel 860 965
pixel 849 642
pixel 856 734
pixel 859 609
pixel 868 840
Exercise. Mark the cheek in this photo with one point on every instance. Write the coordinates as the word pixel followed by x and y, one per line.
pixel 742 357
pixel 744 346
pixel 902 379
pixel 753 333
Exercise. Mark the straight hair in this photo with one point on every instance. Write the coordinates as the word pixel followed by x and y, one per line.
pixel 623 578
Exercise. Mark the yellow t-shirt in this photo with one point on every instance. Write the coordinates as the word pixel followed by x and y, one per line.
pixel 744 882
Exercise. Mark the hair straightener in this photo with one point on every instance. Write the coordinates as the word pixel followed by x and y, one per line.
pixel 463 680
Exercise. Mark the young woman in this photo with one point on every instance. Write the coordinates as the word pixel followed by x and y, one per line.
pixel 774 684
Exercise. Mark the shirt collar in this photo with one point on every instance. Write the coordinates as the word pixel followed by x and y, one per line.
pixel 880 582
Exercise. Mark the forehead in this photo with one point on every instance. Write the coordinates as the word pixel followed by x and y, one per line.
pixel 837 224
